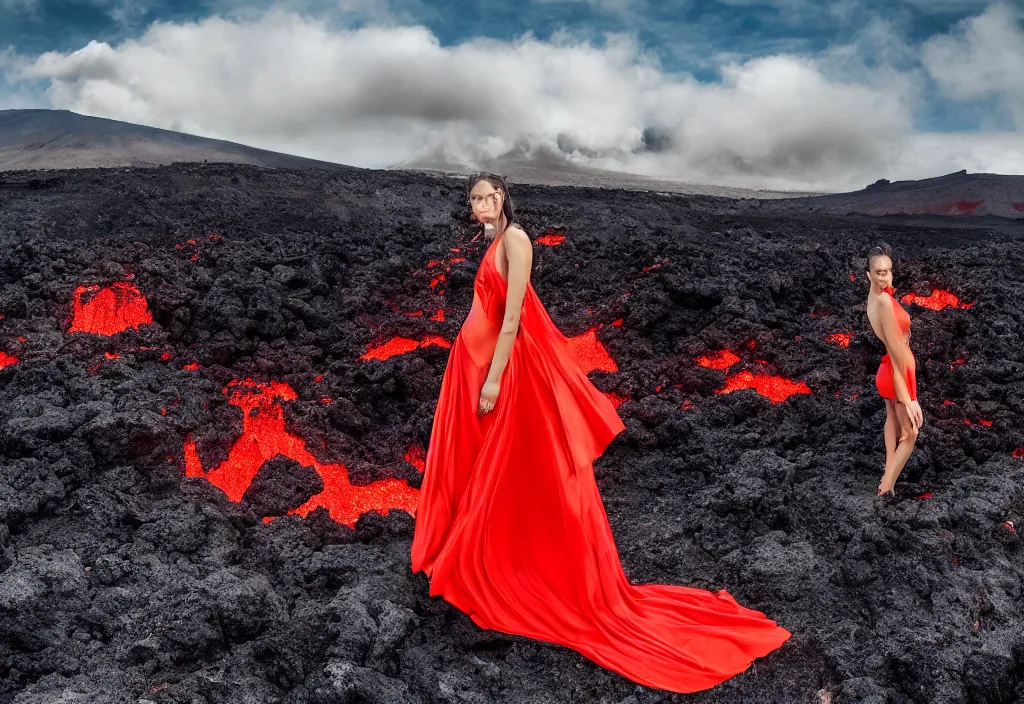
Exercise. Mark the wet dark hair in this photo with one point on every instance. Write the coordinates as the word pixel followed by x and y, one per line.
pixel 499 183
pixel 879 250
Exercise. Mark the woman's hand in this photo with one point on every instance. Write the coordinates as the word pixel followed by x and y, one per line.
pixel 916 414
pixel 488 396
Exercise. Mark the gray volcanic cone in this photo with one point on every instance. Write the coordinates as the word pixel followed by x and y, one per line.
pixel 60 139
pixel 960 193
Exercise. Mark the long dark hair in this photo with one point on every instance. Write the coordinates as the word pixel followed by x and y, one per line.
pixel 880 250
pixel 499 184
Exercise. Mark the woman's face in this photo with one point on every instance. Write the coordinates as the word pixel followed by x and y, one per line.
pixel 486 201
pixel 880 271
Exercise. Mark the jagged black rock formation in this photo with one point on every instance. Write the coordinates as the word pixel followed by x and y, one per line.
pixel 124 581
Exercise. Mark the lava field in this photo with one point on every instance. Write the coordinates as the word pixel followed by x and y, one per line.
pixel 217 384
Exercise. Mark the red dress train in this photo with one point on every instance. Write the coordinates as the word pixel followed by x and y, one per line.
pixel 511 529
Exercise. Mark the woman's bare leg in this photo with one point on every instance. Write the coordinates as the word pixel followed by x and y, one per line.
pixel 903 450
pixel 891 434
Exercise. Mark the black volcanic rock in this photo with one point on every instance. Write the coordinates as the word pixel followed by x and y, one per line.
pixel 121 580
pixel 281 484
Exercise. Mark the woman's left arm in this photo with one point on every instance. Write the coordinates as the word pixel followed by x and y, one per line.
pixel 519 253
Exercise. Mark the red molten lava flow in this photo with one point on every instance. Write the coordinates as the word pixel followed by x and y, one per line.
pixel 774 388
pixel 687 405
pixel 723 359
pixel 590 353
pixel 936 301
pixel 616 399
pixel 840 338
pixel 1019 207
pixel 264 437
pixel 551 240
pixel 417 457
pixel 110 310
pixel 438 316
pixel 7 360
pixel 1019 453
pixel 967 207
pixel 402 345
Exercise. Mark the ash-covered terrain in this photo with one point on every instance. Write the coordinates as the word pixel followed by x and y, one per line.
pixel 217 383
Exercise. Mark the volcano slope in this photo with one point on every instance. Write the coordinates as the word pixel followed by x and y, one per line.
pixel 218 382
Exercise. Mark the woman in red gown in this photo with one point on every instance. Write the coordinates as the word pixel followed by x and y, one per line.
pixel 896 379
pixel 510 526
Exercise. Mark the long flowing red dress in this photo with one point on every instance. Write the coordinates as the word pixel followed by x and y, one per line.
pixel 511 529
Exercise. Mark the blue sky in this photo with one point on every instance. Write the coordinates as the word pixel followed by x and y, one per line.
pixel 906 58
pixel 683 33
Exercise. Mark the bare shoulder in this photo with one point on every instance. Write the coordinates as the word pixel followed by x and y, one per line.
pixel 518 235
pixel 517 242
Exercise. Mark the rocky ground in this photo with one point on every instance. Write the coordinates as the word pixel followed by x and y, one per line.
pixel 264 299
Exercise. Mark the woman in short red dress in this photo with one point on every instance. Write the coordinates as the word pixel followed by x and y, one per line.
pixel 896 379
pixel 511 528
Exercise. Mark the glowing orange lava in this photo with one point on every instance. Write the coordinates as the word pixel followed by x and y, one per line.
pixel 590 353
pixel 774 388
pixel 110 310
pixel 840 338
pixel 7 360
pixel 417 457
pixel 551 240
pixel 936 301
pixel 402 345
pixel 264 437
pixel 616 399
pixel 723 359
